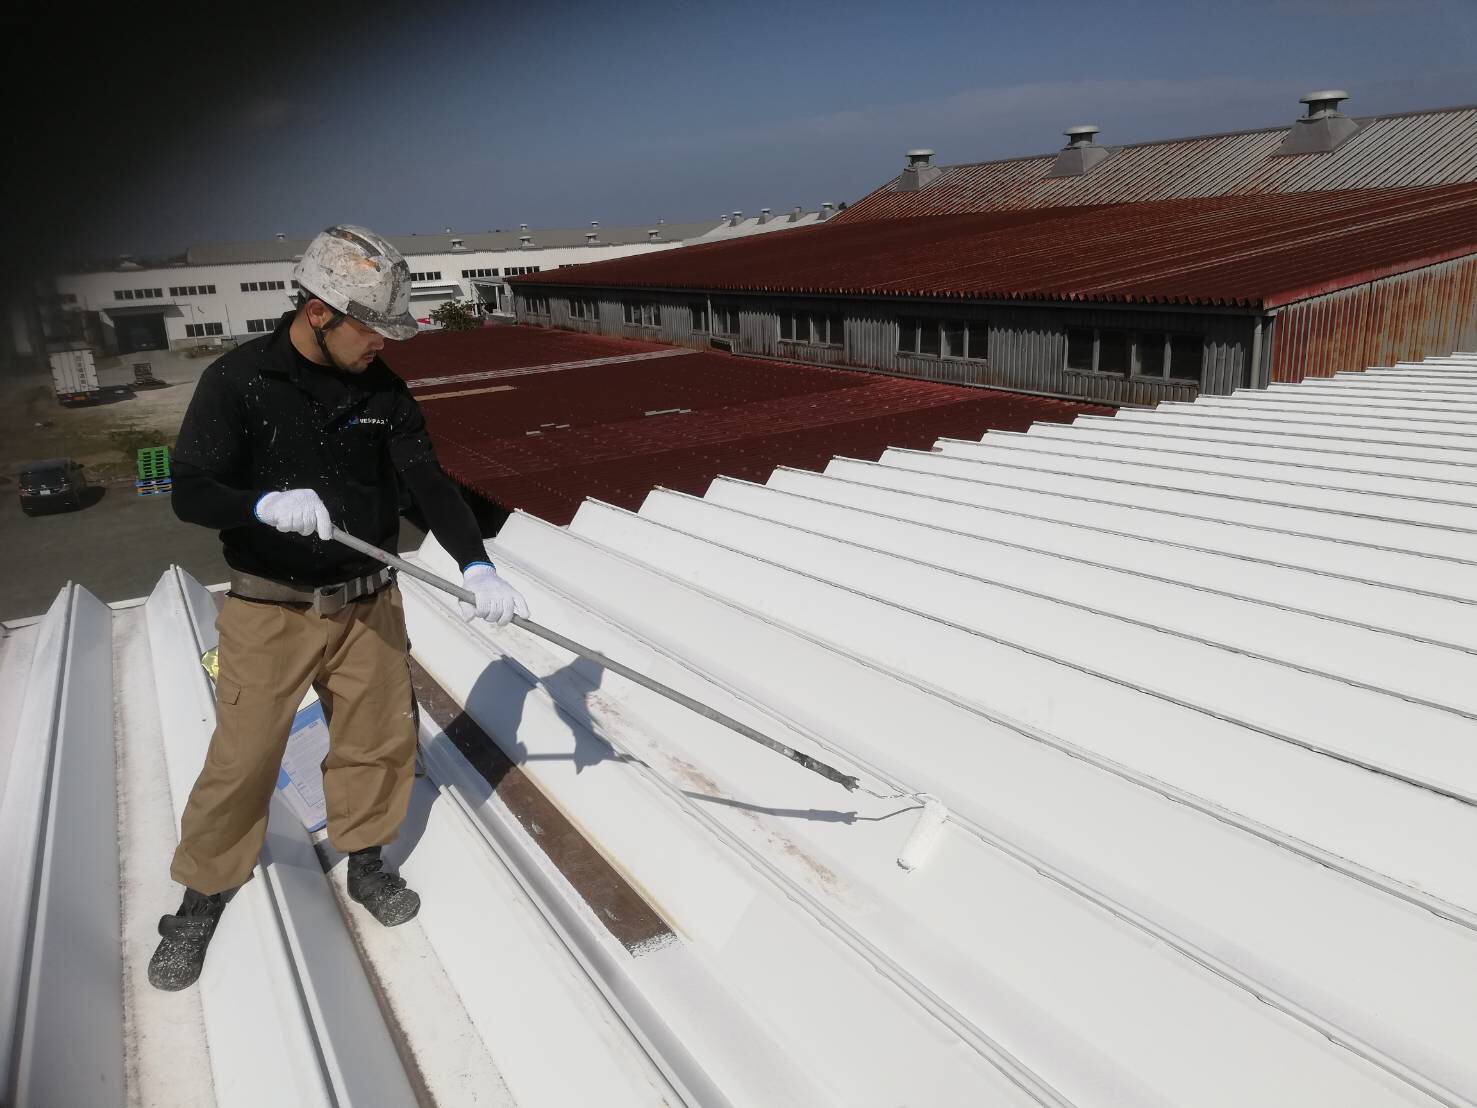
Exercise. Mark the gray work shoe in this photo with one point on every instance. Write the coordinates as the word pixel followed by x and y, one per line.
pixel 383 894
pixel 185 936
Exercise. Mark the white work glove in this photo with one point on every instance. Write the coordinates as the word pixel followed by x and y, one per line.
pixel 497 601
pixel 299 510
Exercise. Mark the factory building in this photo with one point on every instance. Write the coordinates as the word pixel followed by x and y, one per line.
pixel 1125 275
pixel 216 292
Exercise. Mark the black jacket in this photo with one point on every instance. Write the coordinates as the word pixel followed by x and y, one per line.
pixel 265 418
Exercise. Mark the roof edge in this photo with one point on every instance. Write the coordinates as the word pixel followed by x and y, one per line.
pixel 1363 277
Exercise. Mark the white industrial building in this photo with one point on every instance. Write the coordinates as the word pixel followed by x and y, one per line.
pixel 215 292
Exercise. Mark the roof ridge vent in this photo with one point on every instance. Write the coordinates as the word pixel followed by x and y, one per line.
pixel 1322 129
pixel 919 171
pixel 458 244
pixel 795 213
pixel 592 238
pixel 765 215
pixel 828 209
pixel 525 242
pixel 1081 153
pixel 735 219
pixel 654 235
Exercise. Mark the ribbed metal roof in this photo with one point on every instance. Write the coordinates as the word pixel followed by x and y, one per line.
pixel 1193 683
pixel 1421 148
pixel 540 420
pixel 1260 250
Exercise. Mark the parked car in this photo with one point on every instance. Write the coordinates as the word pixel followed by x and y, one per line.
pixel 52 481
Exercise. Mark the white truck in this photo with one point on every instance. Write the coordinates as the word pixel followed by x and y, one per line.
pixel 74 374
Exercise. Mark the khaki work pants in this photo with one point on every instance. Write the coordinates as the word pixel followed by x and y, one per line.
pixel 269 655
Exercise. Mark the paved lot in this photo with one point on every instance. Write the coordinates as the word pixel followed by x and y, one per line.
pixel 119 543
pixel 117 547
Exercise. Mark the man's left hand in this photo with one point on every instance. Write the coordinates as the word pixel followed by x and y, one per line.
pixel 497 601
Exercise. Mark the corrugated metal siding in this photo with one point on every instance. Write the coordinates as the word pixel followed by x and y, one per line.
pixel 1426 312
pixel 1027 345
pixel 1428 148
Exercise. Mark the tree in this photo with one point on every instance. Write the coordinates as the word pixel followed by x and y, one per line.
pixel 455 315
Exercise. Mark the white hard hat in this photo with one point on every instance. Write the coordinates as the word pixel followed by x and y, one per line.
pixel 362 275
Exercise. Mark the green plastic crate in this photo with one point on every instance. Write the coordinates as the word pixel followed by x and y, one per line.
pixel 153 463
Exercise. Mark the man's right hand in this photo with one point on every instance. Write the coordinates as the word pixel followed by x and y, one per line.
pixel 296 510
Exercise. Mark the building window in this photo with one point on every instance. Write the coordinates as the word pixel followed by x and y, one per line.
pixel 192 290
pixel 930 341
pixel 263 286
pixel 1149 354
pixel 943 338
pixel 536 305
pixel 1187 357
pixel 700 318
pixel 517 270
pixel 200 330
pixel 428 275
pixel 812 327
pixel 907 336
pixel 138 294
pixel 953 342
pixel 979 340
pixel 725 321
pixel 1112 352
pixel 479 273
pixel 584 309
pixel 1079 348
pixel 1152 354
pixel 642 313
pixel 260 326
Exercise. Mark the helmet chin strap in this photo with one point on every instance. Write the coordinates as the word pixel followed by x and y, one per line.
pixel 320 332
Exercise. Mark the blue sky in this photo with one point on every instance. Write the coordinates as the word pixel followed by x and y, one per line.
pixel 467 117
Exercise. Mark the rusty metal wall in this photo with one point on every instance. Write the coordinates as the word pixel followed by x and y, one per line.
pixel 1413 315
pixel 1027 345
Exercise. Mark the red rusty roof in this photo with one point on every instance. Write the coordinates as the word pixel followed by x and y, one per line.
pixel 500 347
pixel 1248 251
pixel 594 436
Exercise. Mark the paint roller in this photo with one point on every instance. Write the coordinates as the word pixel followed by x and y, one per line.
pixel 933 814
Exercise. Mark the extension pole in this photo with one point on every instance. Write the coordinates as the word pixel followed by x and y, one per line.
pixel 466 595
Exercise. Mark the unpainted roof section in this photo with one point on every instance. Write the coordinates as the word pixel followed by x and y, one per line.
pixel 1255 251
pixel 539 420
pixel 1419 148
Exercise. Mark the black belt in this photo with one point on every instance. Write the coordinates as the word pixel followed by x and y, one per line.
pixel 324 599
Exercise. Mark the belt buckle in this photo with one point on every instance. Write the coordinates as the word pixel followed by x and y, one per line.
pixel 327 601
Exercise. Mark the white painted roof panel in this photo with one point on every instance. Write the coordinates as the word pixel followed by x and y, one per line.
pixel 1193 683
